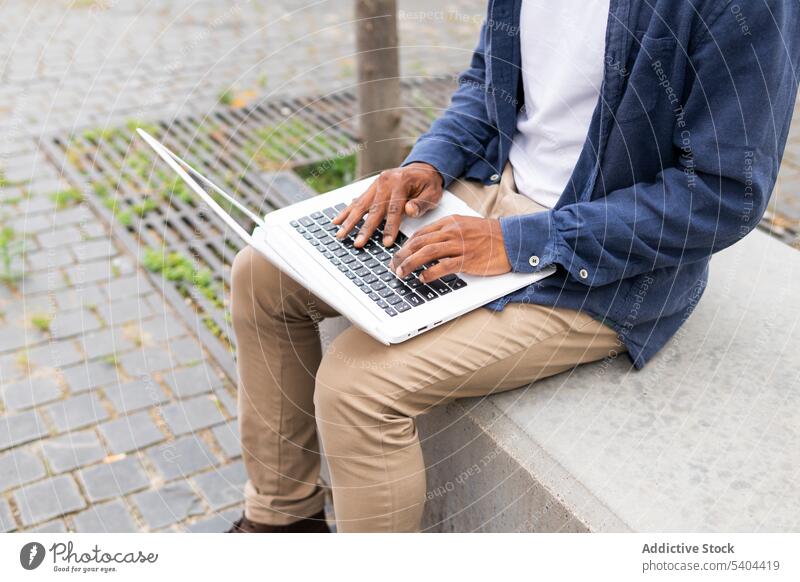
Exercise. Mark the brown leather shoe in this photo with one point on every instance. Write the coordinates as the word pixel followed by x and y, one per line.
pixel 314 524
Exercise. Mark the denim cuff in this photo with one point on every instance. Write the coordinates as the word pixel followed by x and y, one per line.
pixel 530 241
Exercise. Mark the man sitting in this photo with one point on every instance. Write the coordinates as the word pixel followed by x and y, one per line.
pixel 623 141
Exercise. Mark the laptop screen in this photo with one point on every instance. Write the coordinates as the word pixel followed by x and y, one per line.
pixel 204 188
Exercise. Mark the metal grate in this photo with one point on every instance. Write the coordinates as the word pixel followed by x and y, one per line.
pixel 250 152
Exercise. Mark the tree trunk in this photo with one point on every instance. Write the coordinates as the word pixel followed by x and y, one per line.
pixel 378 86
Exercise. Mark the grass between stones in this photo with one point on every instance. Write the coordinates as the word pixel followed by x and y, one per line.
pixel 67 198
pixel 11 247
pixel 330 174
pixel 42 321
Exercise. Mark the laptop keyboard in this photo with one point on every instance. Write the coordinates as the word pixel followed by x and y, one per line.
pixel 368 267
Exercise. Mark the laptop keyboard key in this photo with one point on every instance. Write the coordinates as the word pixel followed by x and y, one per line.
pixel 394 299
pixel 414 299
pixel 439 286
pixel 426 293
pixel 402 306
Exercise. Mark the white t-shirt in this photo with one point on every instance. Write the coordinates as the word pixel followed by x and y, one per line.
pixel 563 50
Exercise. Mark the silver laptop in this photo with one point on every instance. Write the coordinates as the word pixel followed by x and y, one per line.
pixel 357 283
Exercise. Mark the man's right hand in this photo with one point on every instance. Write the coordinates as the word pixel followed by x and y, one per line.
pixel 413 190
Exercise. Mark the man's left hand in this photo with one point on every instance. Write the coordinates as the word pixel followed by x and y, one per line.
pixel 460 244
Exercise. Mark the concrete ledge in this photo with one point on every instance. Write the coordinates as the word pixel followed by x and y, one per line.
pixel 706 438
pixel 486 474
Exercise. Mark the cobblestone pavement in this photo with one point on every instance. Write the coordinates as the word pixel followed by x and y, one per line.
pixel 112 415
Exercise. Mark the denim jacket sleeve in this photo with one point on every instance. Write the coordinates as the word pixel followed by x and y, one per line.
pixel 737 112
pixel 461 134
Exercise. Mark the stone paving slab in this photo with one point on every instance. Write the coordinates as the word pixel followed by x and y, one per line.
pixel 135 395
pixel 30 392
pixel 222 488
pixel 18 467
pixel 47 499
pixel 112 517
pixel 181 457
pixel 130 433
pixel 193 381
pixel 168 505
pixel 115 479
pixel 72 451
pixel 192 415
pixel 90 374
pixel 20 428
pixel 77 412
pixel 227 436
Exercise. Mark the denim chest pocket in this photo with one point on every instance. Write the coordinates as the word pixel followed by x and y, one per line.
pixel 648 83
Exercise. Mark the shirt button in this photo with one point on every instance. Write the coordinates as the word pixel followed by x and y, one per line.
pixel 584 274
pixel 533 261
pixel 495 177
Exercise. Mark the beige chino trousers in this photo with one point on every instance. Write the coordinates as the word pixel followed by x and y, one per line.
pixel 361 397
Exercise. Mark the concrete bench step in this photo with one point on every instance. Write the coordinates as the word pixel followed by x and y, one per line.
pixel 705 438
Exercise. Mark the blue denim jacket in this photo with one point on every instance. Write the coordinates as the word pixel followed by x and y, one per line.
pixel 681 157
